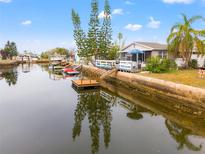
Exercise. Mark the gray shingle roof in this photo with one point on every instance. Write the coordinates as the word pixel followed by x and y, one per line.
pixel 155 46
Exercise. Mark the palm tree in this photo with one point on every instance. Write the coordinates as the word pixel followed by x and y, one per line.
pixel 184 39
pixel 120 41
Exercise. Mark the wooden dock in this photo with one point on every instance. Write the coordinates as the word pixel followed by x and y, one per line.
pixel 85 83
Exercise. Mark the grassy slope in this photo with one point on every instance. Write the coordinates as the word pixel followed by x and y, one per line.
pixel 188 77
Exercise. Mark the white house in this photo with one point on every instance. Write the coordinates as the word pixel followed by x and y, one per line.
pixel 200 59
pixel 148 49
pixel 27 57
pixel 135 55
pixel 141 51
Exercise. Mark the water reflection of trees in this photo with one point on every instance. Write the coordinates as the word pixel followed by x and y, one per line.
pixel 181 136
pixel 99 113
pixel 97 106
pixel 10 77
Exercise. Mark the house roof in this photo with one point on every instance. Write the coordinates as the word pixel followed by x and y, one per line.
pixel 149 45
pixel 153 45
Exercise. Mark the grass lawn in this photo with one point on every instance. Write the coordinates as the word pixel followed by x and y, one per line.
pixel 188 77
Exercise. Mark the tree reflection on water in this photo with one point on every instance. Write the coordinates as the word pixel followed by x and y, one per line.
pixel 99 113
pixel 10 76
pixel 97 106
pixel 181 136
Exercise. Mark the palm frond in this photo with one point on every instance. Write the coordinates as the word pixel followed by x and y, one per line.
pixel 176 27
pixel 200 47
pixel 195 18
pixel 171 36
pixel 185 18
pixel 199 33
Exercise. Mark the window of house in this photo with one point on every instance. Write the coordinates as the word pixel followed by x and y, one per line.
pixel 163 54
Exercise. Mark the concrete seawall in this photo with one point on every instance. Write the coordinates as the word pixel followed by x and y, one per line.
pixel 149 86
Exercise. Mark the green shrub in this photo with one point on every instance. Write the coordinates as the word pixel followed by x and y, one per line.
pixel 193 64
pixel 157 65
pixel 153 65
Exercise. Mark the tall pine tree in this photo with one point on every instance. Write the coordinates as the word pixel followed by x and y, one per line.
pixel 93 31
pixel 105 37
pixel 79 35
pixel 98 40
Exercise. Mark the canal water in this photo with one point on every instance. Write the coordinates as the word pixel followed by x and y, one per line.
pixel 40 113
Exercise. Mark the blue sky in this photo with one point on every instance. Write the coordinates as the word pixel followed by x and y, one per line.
pixel 39 25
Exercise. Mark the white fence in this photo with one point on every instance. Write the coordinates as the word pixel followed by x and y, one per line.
pixel 107 64
pixel 129 66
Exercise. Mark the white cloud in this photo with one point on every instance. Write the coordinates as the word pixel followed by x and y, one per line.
pixel 118 12
pixel 128 2
pixel 153 23
pixel 27 22
pixel 133 27
pixel 102 15
pixel 5 1
pixel 178 1
pixel 114 12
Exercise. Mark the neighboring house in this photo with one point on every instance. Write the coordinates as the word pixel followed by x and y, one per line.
pixel 134 56
pixel 27 57
pixel 56 58
pixel 200 59
pixel 141 51
pixel 149 49
pixel 34 57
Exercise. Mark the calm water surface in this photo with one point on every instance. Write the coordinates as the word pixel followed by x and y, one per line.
pixel 40 113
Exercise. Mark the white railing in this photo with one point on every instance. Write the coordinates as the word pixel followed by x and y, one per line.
pixel 129 66
pixel 107 64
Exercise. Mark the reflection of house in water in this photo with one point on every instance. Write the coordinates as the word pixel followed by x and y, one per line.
pixel 122 102
pixel 98 105
pixel 55 75
pixel 117 100
pixel 26 68
pixel 1 76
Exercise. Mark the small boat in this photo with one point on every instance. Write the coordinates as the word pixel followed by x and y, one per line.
pixel 70 71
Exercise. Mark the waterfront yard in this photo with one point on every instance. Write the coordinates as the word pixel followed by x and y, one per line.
pixel 188 77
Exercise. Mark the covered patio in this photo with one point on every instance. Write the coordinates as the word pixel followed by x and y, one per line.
pixel 134 55
pixel 133 62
